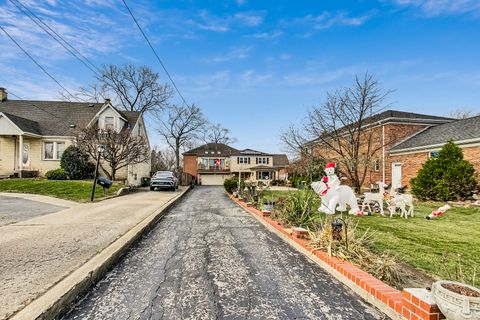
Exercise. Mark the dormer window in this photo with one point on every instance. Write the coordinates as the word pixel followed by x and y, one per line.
pixel 109 123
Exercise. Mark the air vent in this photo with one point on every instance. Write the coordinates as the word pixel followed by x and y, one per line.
pixel 72 126
pixel 91 105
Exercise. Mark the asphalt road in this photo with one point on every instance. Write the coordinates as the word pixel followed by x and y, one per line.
pixel 208 259
pixel 13 209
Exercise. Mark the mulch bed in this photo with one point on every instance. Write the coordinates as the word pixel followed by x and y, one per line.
pixel 465 291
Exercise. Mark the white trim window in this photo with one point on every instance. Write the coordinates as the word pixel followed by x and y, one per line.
pixel 263 160
pixel 53 150
pixel 243 160
pixel 376 165
pixel 109 123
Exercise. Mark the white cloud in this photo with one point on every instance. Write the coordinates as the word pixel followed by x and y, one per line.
pixel 327 20
pixel 234 54
pixel 249 19
pixel 442 7
pixel 267 35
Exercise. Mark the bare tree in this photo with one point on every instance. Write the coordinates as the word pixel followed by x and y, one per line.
pixel 182 125
pixel 335 130
pixel 163 160
pixel 121 148
pixel 215 133
pixel 131 88
pixel 462 113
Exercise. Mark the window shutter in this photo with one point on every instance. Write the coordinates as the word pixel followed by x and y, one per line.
pixel 256 160
pixel 238 160
pixel 248 160
pixel 268 160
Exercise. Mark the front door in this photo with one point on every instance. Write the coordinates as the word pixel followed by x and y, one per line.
pixel 396 175
pixel 26 155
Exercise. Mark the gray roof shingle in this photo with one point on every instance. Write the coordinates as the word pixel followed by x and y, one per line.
pixel 458 130
pixel 54 118
pixel 218 149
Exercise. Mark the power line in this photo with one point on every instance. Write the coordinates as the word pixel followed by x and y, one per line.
pixel 155 52
pixel 64 43
pixel 35 61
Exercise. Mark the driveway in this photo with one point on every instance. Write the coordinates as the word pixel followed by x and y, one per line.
pixel 209 259
pixel 38 252
pixel 15 209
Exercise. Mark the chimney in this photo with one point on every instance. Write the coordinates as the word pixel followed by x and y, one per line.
pixel 107 101
pixel 3 94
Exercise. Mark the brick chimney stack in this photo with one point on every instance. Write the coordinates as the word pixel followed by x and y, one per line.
pixel 3 94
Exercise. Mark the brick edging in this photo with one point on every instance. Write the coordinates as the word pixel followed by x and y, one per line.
pixel 412 304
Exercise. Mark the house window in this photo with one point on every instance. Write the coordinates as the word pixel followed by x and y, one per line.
pixel 109 123
pixel 265 175
pixel 262 160
pixel 53 150
pixel 243 160
pixel 376 165
pixel 433 154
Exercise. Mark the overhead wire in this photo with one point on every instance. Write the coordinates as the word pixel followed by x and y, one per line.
pixel 155 52
pixel 37 63
pixel 56 36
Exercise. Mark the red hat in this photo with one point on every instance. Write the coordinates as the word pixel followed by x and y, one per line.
pixel 330 165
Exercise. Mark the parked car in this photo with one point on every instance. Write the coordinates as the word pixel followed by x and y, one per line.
pixel 164 180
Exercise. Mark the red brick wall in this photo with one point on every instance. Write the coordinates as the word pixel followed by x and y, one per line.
pixel 414 161
pixel 190 165
pixel 394 133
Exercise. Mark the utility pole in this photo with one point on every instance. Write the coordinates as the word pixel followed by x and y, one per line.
pixel 100 149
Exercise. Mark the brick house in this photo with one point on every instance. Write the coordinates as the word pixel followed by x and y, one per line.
pixel 34 134
pixel 212 163
pixel 408 156
pixel 390 128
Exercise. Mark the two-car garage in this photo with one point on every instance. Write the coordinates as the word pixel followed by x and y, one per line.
pixel 212 179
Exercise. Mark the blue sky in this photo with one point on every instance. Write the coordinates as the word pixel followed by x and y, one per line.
pixel 256 66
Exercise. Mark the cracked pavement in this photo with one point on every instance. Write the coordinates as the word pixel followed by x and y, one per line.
pixel 209 259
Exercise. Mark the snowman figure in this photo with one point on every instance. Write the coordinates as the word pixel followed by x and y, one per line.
pixel 331 179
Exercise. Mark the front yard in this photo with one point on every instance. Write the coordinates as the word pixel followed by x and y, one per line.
pixel 75 190
pixel 423 243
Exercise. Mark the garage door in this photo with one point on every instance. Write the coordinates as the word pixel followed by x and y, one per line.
pixel 213 179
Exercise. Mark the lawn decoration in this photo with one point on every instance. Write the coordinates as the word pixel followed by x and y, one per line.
pixel 401 201
pixel 370 197
pixel 437 213
pixel 333 194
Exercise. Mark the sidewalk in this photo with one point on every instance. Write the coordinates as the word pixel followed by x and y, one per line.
pixel 39 252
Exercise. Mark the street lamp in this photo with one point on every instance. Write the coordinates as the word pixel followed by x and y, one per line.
pixel 100 150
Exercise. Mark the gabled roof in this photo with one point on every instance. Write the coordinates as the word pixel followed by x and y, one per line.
pixel 251 152
pixel 395 116
pixel 55 118
pixel 23 124
pixel 459 130
pixel 213 149
pixel 280 160
pixel 402 116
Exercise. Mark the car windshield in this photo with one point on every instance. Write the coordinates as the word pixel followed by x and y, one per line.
pixel 163 174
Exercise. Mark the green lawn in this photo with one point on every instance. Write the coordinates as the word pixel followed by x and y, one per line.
pixel 422 243
pixel 76 190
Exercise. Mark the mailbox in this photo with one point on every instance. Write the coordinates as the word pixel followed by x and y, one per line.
pixel 104 182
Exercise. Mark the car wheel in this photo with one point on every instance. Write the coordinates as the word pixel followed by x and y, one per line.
pixel 152 188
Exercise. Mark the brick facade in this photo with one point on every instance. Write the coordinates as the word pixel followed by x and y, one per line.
pixel 393 134
pixel 412 162
pixel 190 165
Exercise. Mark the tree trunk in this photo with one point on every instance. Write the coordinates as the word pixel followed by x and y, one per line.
pixel 177 156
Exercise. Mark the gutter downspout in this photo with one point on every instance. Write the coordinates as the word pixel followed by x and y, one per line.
pixel 383 153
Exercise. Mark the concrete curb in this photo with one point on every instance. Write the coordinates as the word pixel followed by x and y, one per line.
pixel 301 246
pixel 58 298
